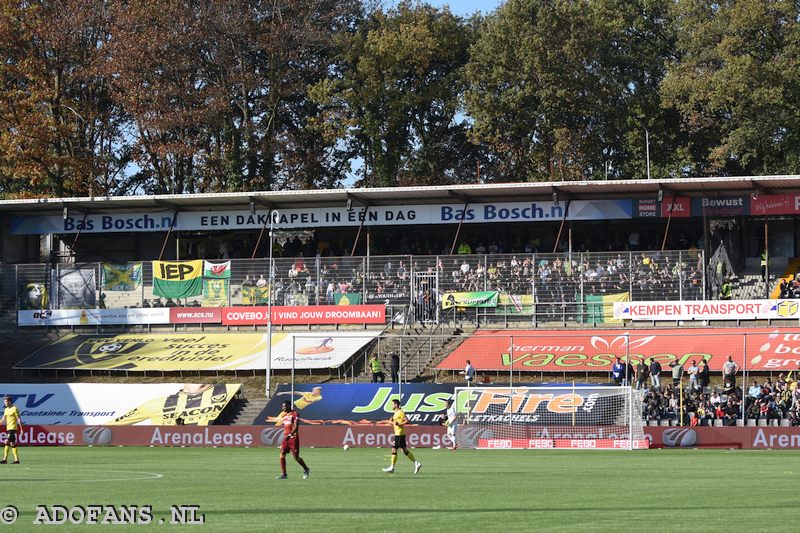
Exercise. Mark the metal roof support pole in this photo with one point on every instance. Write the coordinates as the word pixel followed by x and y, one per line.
pixel 169 232
pixel 360 228
pixel 561 227
pixel 458 229
pixel 669 221
pixel 75 240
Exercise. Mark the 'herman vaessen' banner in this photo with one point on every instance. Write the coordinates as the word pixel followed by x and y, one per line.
pixel 708 310
pixel 775 349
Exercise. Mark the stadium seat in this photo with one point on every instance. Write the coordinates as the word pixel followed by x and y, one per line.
pixel 785 422
pixel 751 422
pixel 762 422
pixel 718 423
pixel 664 422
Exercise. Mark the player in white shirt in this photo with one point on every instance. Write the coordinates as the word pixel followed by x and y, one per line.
pixel 451 422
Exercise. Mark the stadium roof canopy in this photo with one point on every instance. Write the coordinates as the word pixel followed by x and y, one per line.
pixel 477 193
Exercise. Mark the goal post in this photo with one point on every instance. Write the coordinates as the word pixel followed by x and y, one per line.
pixel 563 416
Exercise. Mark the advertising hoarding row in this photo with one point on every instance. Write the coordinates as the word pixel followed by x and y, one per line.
pixel 119 404
pixel 371 436
pixel 197 351
pixel 229 316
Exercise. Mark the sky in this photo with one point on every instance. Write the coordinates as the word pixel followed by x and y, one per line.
pixel 461 7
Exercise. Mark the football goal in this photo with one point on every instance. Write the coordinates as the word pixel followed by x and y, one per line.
pixel 564 416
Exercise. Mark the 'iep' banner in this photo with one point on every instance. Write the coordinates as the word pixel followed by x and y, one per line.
pixel 177 279
pixel 470 299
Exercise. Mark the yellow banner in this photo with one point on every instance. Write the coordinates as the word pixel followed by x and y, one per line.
pixel 192 405
pixel 162 352
pixel 177 270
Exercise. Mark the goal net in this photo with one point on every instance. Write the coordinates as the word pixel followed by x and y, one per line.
pixel 550 417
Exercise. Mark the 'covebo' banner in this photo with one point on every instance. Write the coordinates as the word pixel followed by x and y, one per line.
pixel 119 403
pixel 197 351
pixel 596 350
pixel 305 314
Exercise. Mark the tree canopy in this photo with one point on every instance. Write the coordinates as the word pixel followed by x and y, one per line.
pixel 111 97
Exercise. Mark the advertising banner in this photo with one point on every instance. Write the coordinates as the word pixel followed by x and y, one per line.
pixel 118 403
pixel 177 279
pixel 121 277
pixel 77 288
pixel 514 304
pixel 775 204
pixel 595 351
pixel 95 317
pixel 216 351
pixel 677 207
pixel 469 299
pixel 721 206
pixel 315 217
pixel 708 310
pixel 313 314
pixel 195 315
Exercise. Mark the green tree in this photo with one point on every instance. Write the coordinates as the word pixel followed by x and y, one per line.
pixel 394 99
pixel 734 80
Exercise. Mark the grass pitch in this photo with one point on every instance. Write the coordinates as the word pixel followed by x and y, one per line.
pixel 236 489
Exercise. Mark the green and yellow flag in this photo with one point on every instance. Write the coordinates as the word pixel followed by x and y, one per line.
pixel 348 298
pixel 470 299
pixel 600 308
pixel 121 277
pixel 177 279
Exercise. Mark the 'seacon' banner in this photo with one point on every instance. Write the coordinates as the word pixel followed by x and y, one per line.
pixel 308 314
pixel 708 310
pixel 596 350
pixel 215 351
pixel 470 299
pixel 94 317
pixel 177 279
pixel 119 403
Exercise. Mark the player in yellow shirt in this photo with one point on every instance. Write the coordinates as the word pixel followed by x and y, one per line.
pixel 13 425
pixel 399 421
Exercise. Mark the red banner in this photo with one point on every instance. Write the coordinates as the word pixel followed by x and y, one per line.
pixel 679 207
pixel 370 436
pixel 775 204
pixel 195 315
pixel 305 314
pixel 597 350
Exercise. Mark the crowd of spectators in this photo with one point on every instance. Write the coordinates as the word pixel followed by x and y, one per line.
pixel 703 404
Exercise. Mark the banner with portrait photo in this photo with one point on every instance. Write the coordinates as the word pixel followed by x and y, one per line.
pixel 77 288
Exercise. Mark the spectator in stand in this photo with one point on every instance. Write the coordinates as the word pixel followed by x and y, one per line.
pixel 375 367
pixel 629 374
pixel 693 371
pixel 642 371
pixel 677 371
pixel 617 370
pixel 655 373
pixel 729 370
pixel 704 377
pixel 469 373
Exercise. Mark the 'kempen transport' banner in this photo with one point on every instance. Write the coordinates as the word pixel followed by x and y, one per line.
pixel 198 351
pixel 119 404
pixel 760 349
pixel 708 310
